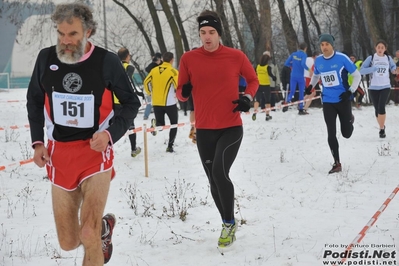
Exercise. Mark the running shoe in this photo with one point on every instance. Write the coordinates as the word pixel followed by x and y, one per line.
pixel 170 149
pixel 109 223
pixel 382 133
pixel 135 152
pixel 153 125
pixel 336 168
pixel 285 109
pixel 254 117
pixel 227 236
pixel 268 117
pixel 302 112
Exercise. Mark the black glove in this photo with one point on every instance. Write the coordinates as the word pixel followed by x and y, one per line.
pixel 308 90
pixel 244 104
pixel 345 96
pixel 186 90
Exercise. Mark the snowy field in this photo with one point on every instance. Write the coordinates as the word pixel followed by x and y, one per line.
pixel 291 212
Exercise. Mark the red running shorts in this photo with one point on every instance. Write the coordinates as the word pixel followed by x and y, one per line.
pixel 73 162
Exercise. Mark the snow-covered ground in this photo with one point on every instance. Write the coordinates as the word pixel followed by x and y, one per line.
pixel 292 212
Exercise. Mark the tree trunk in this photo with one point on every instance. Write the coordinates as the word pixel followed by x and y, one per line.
pixel 139 25
pixel 394 25
pixel 345 13
pixel 316 23
pixel 157 26
pixel 289 32
pixel 374 18
pixel 180 25
pixel 251 15
pixel 364 40
pixel 175 30
pixel 305 27
pixel 237 28
pixel 266 23
pixel 226 36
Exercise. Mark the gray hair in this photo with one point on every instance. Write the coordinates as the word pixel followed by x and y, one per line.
pixel 68 11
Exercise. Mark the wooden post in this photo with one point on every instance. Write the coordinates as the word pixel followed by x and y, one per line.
pixel 145 151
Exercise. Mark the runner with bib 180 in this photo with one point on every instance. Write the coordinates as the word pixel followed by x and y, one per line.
pixel 333 69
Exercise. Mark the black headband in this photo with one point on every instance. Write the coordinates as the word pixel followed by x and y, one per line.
pixel 211 22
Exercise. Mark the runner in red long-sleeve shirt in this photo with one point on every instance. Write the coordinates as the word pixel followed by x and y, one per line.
pixel 211 73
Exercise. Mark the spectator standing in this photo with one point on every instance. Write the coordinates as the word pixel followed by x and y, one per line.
pixel 211 74
pixel 379 65
pixel 333 69
pixel 264 73
pixel 274 85
pixel 71 93
pixel 161 84
pixel 156 61
pixel 297 62
pixel 124 56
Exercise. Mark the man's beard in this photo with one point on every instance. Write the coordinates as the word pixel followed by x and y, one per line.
pixel 77 51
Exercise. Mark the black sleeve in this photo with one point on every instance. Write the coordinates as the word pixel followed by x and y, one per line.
pixel 117 81
pixel 150 67
pixel 35 98
pixel 269 71
pixel 130 71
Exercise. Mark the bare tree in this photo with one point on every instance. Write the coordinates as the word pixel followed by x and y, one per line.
pixel 180 25
pixel 374 12
pixel 236 27
pixel 251 14
pixel 363 39
pixel 312 15
pixel 305 27
pixel 175 30
pixel 157 26
pixel 139 24
pixel 289 32
pixel 395 24
pixel 345 14
pixel 266 23
pixel 226 36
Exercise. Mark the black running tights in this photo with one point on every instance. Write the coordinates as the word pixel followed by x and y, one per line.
pixel 172 113
pixel 218 149
pixel 380 99
pixel 344 112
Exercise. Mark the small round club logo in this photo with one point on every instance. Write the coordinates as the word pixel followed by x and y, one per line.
pixel 54 67
pixel 72 82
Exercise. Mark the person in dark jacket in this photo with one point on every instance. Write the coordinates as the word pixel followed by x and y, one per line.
pixel 285 77
pixel 124 56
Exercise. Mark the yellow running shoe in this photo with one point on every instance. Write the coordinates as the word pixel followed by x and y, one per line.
pixel 227 237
